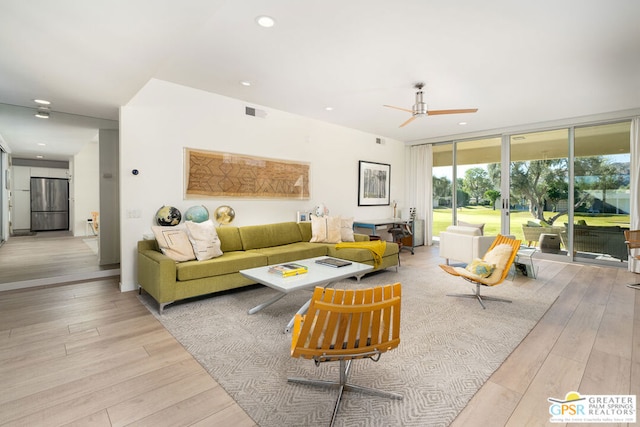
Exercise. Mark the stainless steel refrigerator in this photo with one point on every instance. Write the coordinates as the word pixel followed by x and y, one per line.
pixel 49 204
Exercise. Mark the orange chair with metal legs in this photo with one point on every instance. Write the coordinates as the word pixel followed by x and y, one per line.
pixel 343 325
pixel 492 270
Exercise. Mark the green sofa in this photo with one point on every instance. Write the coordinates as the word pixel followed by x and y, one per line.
pixel 243 247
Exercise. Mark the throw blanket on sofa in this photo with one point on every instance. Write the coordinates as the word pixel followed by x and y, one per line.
pixel 377 248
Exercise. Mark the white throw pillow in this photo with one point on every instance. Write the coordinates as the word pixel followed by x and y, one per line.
pixel 468 224
pixel 499 255
pixel 204 239
pixel 346 230
pixel 174 242
pixel 325 229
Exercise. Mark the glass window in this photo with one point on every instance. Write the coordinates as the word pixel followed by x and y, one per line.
pixel 602 194
pixel 478 183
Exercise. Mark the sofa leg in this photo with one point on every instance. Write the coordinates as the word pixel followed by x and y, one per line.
pixel 162 305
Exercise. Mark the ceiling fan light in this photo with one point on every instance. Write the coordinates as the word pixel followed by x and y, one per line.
pixel 420 109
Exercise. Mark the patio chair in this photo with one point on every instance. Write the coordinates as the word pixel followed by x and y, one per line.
pixel 343 325
pixel 632 239
pixel 491 270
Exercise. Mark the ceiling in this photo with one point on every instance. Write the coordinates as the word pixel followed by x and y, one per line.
pixel 517 62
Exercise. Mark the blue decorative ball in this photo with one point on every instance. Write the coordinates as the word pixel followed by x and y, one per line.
pixel 168 215
pixel 196 214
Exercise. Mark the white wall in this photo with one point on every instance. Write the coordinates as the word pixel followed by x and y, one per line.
pixel 85 193
pixel 164 118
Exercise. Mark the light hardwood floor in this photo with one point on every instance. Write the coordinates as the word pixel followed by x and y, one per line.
pixel 50 257
pixel 85 354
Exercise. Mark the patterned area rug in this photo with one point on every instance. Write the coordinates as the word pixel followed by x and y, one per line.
pixel 450 346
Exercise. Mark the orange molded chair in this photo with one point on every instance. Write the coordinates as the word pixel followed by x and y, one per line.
pixel 343 325
pixel 499 274
pixel 632 239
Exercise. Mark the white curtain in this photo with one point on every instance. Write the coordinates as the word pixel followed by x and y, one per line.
pixel 419 188
pixel 634 220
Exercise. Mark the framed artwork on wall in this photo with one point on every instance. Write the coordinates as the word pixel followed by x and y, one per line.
pixel 374 184
pixel 219 174
pixel 303 216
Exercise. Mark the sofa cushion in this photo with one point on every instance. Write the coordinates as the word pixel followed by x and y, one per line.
pixel 229 262
pixel 204 239
pixel 460 229
pixel 229 238
pixel 265 236
pixel 360 255
pixel 292 252
pixel 325 229
pixel 174 242
pixel 305 230
pixel 468 224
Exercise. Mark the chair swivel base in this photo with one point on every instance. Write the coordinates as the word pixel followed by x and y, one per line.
pixel 479 298
pixel 347 387
pixel 342 386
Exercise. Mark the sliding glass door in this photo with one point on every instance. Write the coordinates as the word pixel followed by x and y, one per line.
pixel 442 177
pixel 564 191
pixel 472 186
pixel 539 189
pixel 478 183
pixel 602 193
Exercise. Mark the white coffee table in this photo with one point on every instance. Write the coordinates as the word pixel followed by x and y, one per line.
pixel 317 275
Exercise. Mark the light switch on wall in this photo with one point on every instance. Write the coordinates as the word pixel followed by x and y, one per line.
pixel 133 213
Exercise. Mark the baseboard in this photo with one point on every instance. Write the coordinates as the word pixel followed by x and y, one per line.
pixel 59 279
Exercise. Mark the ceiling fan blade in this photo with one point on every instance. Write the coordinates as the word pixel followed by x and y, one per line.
pixel 436 112
pixel 408 121
pixel 399 108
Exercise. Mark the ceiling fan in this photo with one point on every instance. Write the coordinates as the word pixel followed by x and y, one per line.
pixel 420 108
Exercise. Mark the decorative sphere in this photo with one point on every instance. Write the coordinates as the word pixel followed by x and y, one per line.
pixel 224 214
pixel 196 214
pixel 168 215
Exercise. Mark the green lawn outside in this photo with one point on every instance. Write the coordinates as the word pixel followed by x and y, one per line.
pixel 491 219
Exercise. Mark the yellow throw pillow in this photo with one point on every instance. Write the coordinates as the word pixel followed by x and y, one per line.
pixel 480 268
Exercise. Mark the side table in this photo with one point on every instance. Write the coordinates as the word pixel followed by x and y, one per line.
pixel 525 257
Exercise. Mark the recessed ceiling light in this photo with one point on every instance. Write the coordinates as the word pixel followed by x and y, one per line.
pixel 245 83
pixel 42 101
pixel 462 123
pixel 42 115
pixel 42 144
pixel 265 21
pixel 328 108
pixel 39 157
